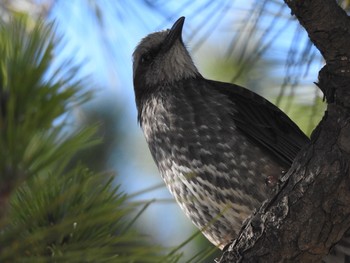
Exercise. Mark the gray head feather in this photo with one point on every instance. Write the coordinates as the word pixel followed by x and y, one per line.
pixel 155 62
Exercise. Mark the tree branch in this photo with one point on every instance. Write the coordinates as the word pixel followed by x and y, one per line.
pixel 310 212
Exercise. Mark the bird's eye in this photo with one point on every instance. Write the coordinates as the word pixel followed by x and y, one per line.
pixel 146 58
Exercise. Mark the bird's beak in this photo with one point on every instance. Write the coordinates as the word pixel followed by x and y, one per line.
pixel 174 34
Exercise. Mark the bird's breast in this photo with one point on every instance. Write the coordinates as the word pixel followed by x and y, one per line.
pixel 209 166
pixel 193 138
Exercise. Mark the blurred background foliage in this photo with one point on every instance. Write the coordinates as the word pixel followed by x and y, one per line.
pixel 54 207
pixel 77 181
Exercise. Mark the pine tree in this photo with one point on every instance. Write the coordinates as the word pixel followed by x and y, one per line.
pixel 53 209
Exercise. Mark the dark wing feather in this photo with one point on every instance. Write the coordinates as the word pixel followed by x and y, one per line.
pixel 263 122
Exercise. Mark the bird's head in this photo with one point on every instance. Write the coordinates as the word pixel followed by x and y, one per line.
pixel 161 58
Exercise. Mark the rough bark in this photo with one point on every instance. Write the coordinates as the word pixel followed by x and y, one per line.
pixel 311 211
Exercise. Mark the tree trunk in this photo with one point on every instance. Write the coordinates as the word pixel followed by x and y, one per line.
pixel 311 210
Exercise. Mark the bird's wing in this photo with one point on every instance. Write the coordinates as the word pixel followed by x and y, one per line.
pixel 263 122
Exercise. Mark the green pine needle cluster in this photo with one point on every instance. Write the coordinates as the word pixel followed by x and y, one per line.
pixel 51 210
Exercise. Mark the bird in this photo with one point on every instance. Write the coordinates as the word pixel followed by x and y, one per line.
pixel 220 148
